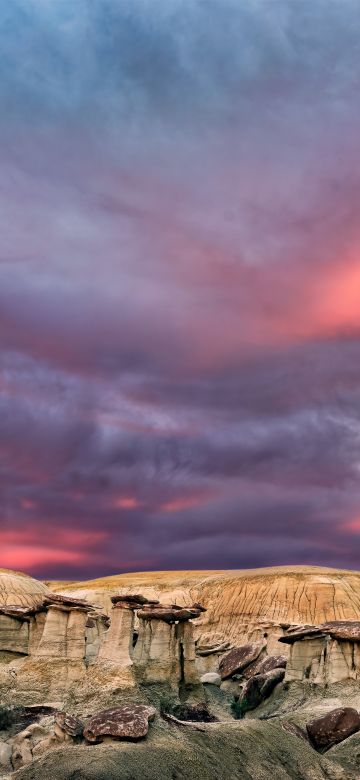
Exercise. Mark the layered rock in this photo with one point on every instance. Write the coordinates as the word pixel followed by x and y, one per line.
pixel 249 606
pixel 156 653
pixel 20 590
pixel 14 633
pixel 64 633
pixel 324 654
pixel 165 649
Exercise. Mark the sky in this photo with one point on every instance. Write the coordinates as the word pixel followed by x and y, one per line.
pixel 179 285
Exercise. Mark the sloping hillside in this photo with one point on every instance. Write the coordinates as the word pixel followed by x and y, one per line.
pixel 257 597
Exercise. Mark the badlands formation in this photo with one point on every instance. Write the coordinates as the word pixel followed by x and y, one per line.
pixel 213 675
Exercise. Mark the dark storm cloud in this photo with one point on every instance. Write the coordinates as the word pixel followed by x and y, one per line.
pixel 180 284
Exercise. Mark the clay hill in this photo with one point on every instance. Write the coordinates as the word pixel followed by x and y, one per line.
pixel 238 603
pixel 220 675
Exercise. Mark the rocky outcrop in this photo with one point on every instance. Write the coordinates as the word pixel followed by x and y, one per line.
pixel 348 630
pixel 131 721
pixel 259 688
pixel 243 606
pixel 64 633
pixel 117 642
pixel 333 727
pixel 14 633
pixel 157 652
pixel 97 625
pixel 324 654
pixel 165 648
pixel 238 659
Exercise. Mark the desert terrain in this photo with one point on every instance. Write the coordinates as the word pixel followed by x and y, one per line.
pixel 222 674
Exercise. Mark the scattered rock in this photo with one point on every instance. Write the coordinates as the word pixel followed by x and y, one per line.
pixel 333 727
pixel 211 678
pixel 127 722
pixel 259 687
pixel 263 665
pixel 238 659
pixel 70 724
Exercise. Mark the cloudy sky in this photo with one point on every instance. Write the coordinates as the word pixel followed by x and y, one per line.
pixel 179 284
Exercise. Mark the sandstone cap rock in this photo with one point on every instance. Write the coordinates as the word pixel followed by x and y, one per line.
pixel 135 599
pixel 170 614
pixel 130 721
pixel 343 629
pixel 304 632
pixel 57 599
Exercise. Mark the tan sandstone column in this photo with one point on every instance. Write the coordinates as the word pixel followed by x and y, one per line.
pixel 117 643
pixel 64 633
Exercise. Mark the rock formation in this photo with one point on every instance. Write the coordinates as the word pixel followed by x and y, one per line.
pixel 165 648
pixel 242 606
pixel 238 659
pixel 131 721
pixel 145 652
pixel 259 687
pixel 18 589
pixel 324 654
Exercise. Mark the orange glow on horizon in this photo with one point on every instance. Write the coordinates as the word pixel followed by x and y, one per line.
pixel 27 547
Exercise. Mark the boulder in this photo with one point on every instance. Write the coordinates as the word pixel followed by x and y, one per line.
pixel 263 665
pixel 238 659
pixel 259 687
pixel 211 678
pixel 333 727
pixel 131 721
pixel 70 724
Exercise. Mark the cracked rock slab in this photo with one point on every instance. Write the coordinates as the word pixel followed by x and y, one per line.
pixel 131 721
